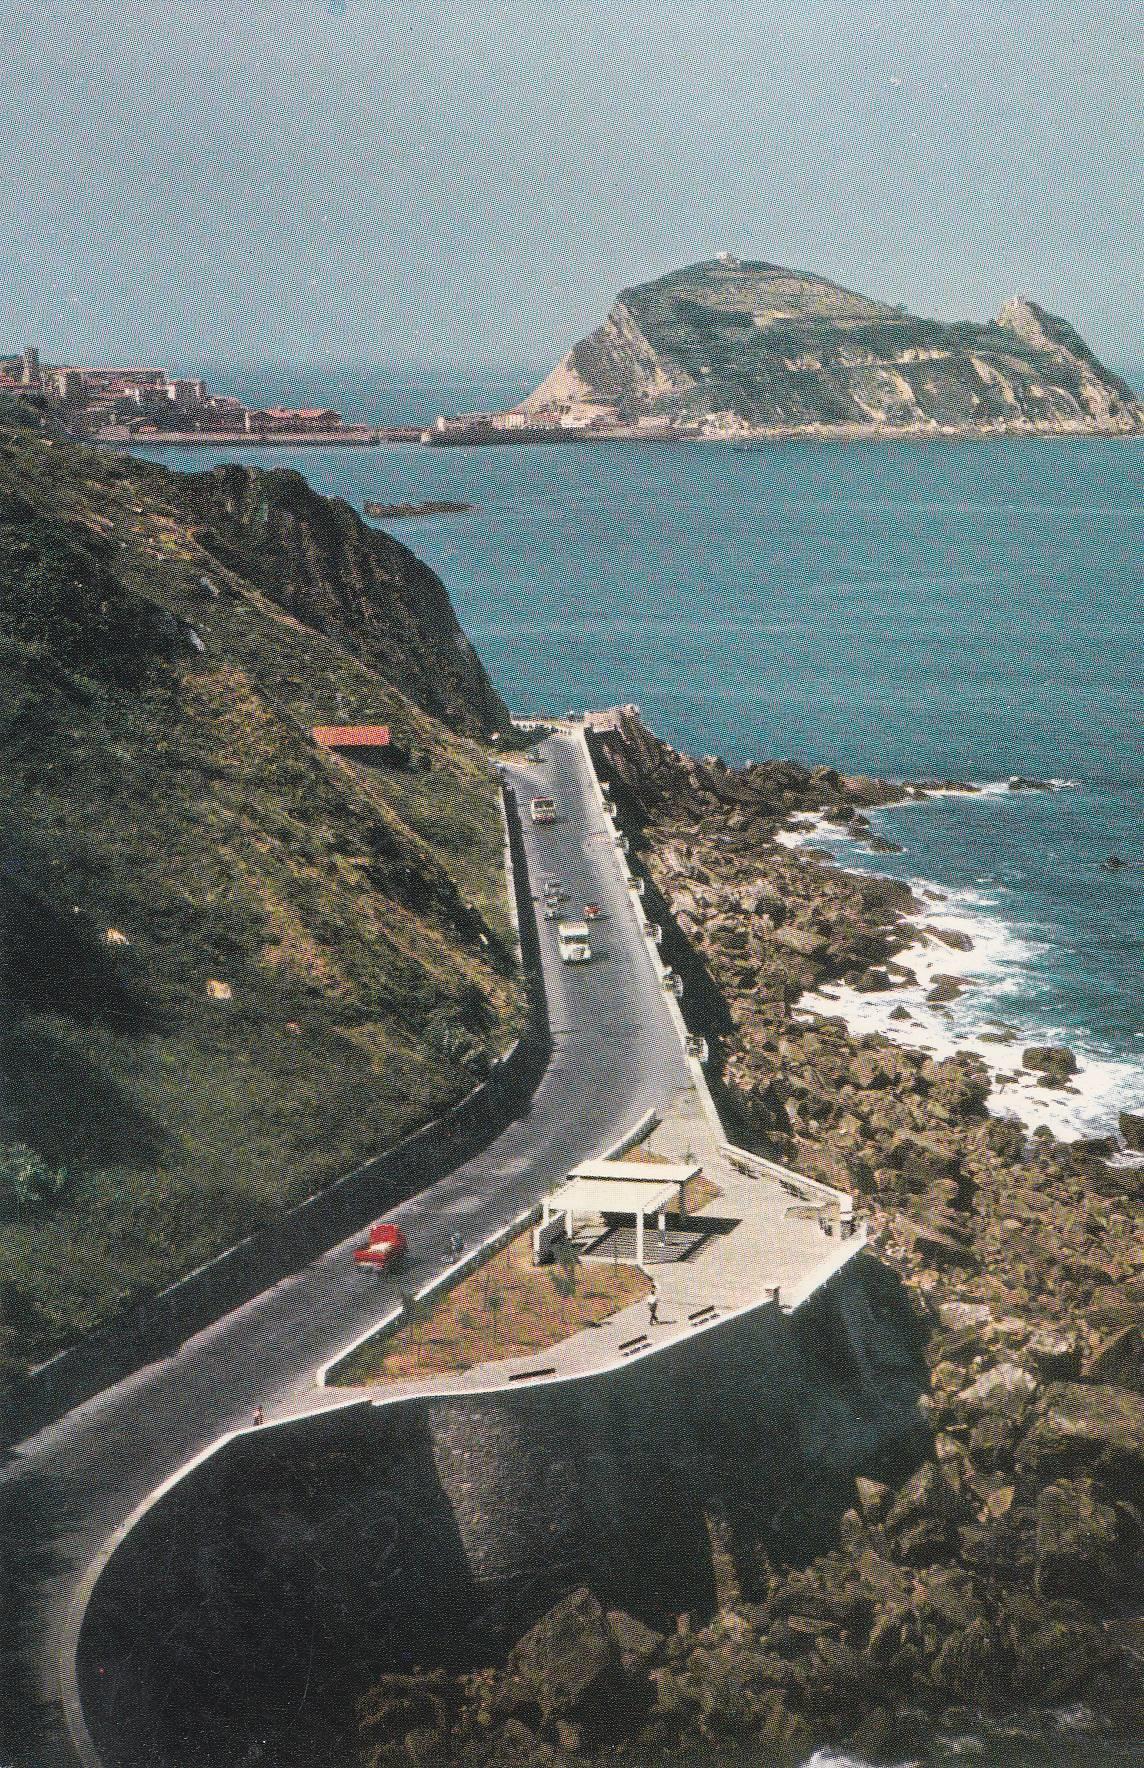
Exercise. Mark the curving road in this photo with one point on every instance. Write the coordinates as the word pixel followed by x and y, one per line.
pixel 616 1055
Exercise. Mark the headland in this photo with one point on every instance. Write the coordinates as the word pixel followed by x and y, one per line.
pixel 741 351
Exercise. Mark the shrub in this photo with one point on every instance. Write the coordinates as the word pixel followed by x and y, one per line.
pixel 27 1182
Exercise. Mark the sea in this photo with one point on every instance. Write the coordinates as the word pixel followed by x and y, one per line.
pixel 955 610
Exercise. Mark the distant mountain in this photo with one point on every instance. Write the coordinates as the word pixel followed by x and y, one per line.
pixel 728 347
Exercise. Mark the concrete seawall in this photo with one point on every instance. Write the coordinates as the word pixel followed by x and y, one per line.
pixel 156 1326
pixel 258 1596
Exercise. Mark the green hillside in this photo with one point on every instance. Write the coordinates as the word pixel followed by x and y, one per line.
pixel 233 965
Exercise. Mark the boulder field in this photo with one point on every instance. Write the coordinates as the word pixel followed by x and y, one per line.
pixel 1005 1571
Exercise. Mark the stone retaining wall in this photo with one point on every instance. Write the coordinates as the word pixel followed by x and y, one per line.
pixel 158 1325
pixel 431 1530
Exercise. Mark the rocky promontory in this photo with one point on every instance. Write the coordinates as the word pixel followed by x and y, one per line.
pixel 732 347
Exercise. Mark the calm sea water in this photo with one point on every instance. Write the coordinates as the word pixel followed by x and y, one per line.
pixel 957 609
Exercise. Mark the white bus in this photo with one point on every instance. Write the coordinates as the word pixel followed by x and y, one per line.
pixel 573 940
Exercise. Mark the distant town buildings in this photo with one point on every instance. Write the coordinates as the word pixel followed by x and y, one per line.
pixel 139 403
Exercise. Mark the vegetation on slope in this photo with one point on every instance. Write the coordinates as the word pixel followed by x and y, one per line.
pixel 769 347
pixel 231 964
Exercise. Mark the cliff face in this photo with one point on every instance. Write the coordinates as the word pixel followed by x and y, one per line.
pixel 319 561
pixel 726 347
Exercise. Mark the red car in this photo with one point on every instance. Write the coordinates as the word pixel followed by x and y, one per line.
pixel 385 1248
pixel 591 911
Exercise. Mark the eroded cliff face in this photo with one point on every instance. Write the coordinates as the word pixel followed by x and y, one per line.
pixel 727 347
pixel 315 558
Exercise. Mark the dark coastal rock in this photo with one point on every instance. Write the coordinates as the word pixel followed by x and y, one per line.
pixel 803 940
pixel 950 936
pixel 966 1666
pixel 399 1706
pixel 1082 1428
pixel 637 1644
pixel 1132 1129
pixel 1021 1260
pixel 1078 1541
pixel 1119 1359
pixel 516 1746
pixel 1005 1389
pixel 946 988
pixel 1055 1354
pixel 1055 1062
pixel 1054 1655
pixel 565 1664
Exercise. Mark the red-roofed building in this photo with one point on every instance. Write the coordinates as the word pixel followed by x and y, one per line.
pixel 364 742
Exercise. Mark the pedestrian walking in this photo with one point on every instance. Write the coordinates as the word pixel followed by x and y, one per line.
pixel 258 1414
pixel 653 1310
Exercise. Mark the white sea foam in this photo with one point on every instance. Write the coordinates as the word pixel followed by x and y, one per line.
pixel 830 1758
pixel 999 963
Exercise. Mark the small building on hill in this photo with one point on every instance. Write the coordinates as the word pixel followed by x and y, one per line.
pixel 371 743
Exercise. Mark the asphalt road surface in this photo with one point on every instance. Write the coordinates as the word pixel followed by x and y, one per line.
pixel 616 1055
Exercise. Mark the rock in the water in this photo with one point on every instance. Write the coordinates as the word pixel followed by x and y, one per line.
pixel 1054 1062
pixel 956 940
pixel 1132 1129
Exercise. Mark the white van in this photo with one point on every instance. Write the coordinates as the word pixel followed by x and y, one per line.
pixel 575 947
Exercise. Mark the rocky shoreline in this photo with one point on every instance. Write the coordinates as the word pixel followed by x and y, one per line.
pixel 1003 1574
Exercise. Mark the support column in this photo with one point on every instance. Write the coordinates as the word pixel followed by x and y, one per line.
pixel 639 1235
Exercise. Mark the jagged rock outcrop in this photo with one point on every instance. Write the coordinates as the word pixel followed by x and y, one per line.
pixel 729 347
pixel 319 561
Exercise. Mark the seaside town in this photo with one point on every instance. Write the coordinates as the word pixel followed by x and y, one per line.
pixel 121 404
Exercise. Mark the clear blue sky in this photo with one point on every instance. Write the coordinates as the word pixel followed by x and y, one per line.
pixel 391 181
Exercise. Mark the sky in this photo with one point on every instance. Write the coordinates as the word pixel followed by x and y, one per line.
pixel 471 182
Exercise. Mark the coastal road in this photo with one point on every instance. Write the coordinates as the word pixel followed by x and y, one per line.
pixel 616 1055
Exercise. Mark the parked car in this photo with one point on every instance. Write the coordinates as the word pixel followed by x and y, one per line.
pixel 591 911
pixel 384 1249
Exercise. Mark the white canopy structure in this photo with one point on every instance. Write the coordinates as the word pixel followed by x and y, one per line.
pixel 636 1188
pixel 664 1172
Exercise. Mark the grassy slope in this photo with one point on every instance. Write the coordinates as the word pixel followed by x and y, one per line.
pixel 175 796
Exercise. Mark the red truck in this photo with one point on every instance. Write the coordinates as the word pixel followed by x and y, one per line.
pixel 384 1249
